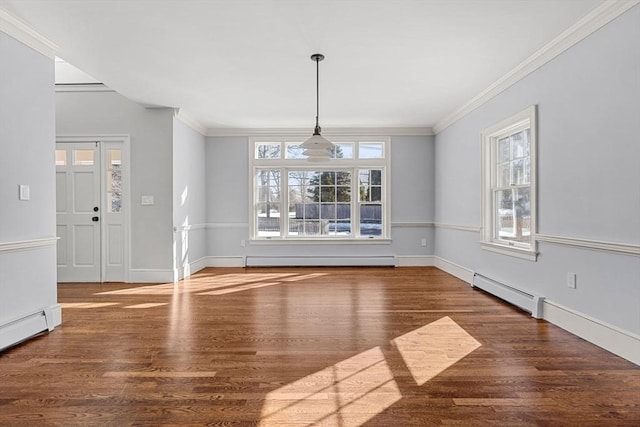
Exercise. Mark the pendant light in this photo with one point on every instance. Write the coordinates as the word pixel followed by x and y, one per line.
pixel 317 148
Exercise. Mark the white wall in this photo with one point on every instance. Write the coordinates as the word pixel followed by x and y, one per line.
pixel 189 199
pixel 151 133
pixel 27 228
pixel 412 192
pixel 588 177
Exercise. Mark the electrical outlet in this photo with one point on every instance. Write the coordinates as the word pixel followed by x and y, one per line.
pixel 24 192
pixel 423 242
pixel 243 243
pixel 571 280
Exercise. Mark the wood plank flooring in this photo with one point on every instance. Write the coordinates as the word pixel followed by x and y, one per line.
pixel 340 347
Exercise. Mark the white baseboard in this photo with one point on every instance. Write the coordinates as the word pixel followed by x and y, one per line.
pixel 623 343
pixel 321 261
pixel 454 269
pixel 225 261
pixel 415 261
pixel 618 341
pixel 25 327
pixel 194 267
pixel 147 275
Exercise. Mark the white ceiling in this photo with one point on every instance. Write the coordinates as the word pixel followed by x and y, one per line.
pixel 245 63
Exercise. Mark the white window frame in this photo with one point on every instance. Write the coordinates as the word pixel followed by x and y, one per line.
pixel 526 119
pixel 353 165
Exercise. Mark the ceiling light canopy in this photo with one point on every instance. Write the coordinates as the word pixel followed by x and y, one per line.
pixel 317 148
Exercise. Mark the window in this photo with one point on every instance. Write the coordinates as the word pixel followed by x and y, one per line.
pixel 509 186
pixel 83 157
pixel 344 198
pixel 114 180
pixel 61 157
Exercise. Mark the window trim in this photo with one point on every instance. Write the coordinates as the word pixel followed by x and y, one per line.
pixel 353 165
pixel 520 121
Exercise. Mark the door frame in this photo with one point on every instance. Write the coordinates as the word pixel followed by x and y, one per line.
pixel 110 141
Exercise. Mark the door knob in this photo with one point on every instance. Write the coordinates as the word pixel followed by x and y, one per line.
pixel 95 219
pixel 95 209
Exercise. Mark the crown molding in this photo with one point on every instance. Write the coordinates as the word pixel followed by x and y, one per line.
pixel 588 24
pixel 190 121
pixel 82 87
pixel 351 131
pixel 25 34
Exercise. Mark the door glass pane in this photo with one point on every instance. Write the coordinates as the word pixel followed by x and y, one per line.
pixel 114 159
pixel 114 180
pixel 114 204
pixel 61 157
pixel 83 157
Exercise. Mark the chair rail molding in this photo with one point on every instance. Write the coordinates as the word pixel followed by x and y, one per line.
pixel 459 227
pixel 27 244
pixel 613 247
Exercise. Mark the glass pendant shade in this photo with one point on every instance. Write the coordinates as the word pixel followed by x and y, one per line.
pixel 317 142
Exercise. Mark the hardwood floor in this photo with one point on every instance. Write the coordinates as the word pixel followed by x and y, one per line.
pixel 338 347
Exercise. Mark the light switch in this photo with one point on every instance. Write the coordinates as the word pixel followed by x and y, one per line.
pixel 146 200
pixel 23 192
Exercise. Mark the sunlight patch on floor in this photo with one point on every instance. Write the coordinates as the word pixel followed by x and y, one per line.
pixel 147 305
pixel 208 283
pixel 87 304
pixel 240 288
pixel 431 349
pixel 355 390
pixel 347 394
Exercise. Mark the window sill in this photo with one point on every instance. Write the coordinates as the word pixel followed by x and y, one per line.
pixel 527 254
pixel 361 241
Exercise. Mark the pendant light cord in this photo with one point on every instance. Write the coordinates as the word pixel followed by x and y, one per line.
pixel 317 129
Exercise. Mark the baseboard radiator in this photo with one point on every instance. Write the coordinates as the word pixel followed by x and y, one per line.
pixel 17 330
pixel 526 301
pixel 320 261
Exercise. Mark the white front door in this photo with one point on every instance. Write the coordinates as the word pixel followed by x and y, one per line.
pixel 78 211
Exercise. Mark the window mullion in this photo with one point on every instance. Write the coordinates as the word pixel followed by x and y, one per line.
pixel 284 202
pixel 355 202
